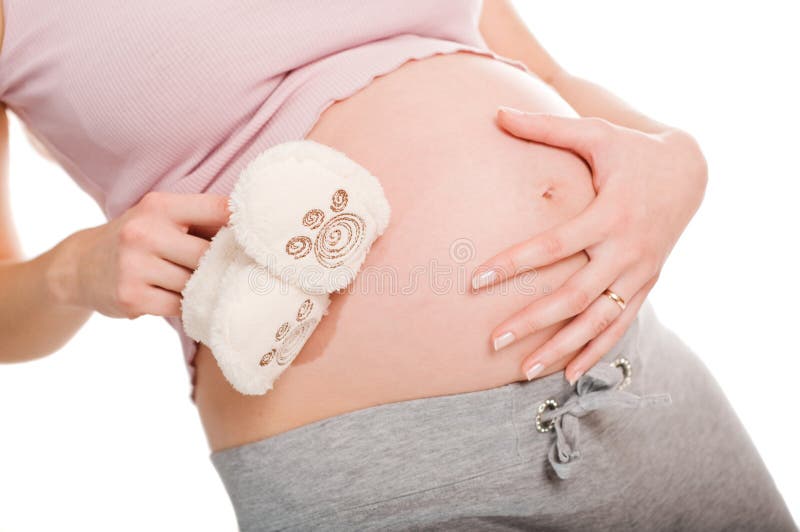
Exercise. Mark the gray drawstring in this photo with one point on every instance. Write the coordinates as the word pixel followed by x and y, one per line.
pixel 600 387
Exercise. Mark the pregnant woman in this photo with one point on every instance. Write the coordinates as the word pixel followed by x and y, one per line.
pixel 495 365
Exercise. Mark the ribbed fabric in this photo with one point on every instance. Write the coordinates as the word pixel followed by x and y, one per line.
pixel 178 96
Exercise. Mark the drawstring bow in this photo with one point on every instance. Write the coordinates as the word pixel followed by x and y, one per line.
pixel 600 387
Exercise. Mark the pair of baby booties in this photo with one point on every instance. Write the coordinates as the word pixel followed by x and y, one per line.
pixel 303 218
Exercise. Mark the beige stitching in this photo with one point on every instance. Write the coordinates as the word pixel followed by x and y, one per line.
pixel 339 200
pixel 267 358
pixel 282 331
pixel 337 238
pixel 313 218
pixel 304 310
pixel 290 347
pixel 299 246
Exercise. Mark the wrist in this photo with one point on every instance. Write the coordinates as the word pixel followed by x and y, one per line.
pixel 61 272
pixel 697 166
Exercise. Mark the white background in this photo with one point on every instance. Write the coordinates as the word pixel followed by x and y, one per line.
pixel 102 435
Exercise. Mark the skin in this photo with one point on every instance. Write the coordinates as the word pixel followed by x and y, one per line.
pixel 133 265
pixel 481 185
pixel 147 253
pixel 650 179
pixel 627 248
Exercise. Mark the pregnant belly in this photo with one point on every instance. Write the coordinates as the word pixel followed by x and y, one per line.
pixel 461 190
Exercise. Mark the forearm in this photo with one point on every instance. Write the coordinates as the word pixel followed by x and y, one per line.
pixel 508 35
pixel 590 99
pixel 34 319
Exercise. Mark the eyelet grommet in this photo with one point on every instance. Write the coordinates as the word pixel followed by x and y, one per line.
pixel 625 365
pixel 550 425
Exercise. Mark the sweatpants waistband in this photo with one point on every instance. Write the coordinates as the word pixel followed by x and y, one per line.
pixel 351 460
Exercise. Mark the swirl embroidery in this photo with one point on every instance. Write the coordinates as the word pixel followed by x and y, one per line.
pixel 304 310
pixel 339 200
pixel 314 218
pixel 299 246
pixel 292 338
pixel 337 238
pixel 266 359
pixel 282 331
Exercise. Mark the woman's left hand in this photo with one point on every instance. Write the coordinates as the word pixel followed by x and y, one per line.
pixel 648 185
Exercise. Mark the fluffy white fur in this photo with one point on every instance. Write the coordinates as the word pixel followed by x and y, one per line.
pixel 247 325
pixel 200 292
pixel 254 300
pixel 278 188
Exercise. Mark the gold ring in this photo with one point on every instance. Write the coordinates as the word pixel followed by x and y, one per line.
pixel 615 298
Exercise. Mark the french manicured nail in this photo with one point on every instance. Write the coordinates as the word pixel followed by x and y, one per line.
pixel 511 110
pixel 503 340
pixel 534 370
pixel 483 279
pixel 575 377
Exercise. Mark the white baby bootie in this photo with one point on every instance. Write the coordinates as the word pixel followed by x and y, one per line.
pixel 308 213
pixel 303 218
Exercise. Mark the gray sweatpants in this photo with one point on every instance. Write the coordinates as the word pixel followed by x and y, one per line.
pixel 659 450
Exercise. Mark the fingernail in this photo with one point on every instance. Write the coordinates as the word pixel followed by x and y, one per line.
pixel 503 340
pixel 534 371
pixel 575 377
pixel 511 110
pixel 483 279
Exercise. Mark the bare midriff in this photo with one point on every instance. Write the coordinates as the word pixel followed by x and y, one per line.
pixel 461 190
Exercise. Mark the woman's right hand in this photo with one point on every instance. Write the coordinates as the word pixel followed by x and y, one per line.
pixel 139 262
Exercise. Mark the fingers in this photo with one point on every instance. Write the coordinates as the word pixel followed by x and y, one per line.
pixel 166 275
pixel 148 299
pixel 204 231
pixel 180 248
pixel 156 254
pixel 545 248
pixel 160 302
pixel 592 322
pixel 189 209
pixel 572 298
pixel 581 135
pixel 599 346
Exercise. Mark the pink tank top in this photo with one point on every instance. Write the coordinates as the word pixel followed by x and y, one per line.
pixel 178 95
